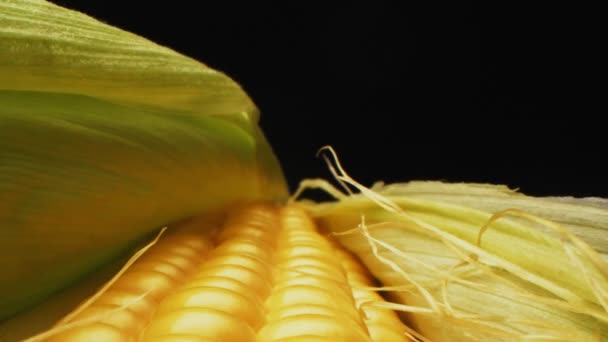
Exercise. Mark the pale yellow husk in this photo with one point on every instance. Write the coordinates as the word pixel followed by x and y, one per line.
pixel 525 278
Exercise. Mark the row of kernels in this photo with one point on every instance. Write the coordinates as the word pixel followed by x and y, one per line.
pixel 224 299
pixel 310 297
pixel 382 324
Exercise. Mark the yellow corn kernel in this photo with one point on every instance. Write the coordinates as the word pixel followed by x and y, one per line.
pixel 204 322
pixel 270 276
pixel 180 338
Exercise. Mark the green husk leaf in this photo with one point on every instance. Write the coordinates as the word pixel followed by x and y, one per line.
pixel 47 48
pixel 104 138
pixel 528 278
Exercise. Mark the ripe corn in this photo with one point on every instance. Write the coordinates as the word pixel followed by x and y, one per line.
pixel 266 275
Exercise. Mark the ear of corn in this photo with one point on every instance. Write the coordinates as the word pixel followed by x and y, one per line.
pixel 267 275
pixel 105 137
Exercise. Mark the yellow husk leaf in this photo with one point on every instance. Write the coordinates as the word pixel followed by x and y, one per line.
pixel 470 262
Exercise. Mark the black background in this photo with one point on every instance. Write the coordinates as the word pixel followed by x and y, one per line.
pixel 501 93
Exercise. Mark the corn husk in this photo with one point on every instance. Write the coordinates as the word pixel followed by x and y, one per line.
pixel 106 137
pixel 475 262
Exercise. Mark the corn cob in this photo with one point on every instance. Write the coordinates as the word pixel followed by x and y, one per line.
pixel 267 275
